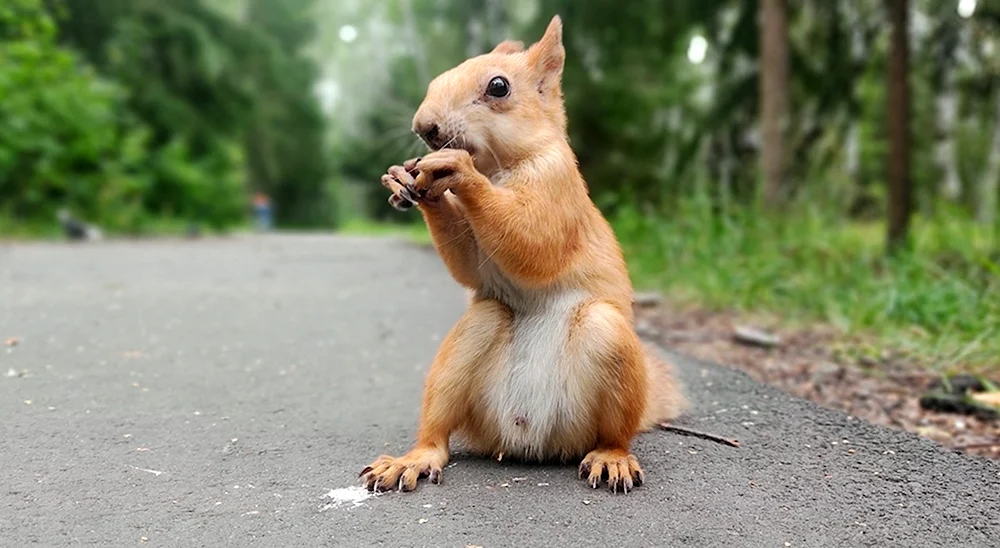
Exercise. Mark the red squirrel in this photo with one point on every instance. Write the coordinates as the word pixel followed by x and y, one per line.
pixel 545 363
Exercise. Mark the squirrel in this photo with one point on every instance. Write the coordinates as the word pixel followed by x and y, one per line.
pixel 545 363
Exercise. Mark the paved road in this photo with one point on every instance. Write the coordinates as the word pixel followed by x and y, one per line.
pixel 213 393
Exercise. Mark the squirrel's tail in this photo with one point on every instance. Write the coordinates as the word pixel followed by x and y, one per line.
pixel 666 393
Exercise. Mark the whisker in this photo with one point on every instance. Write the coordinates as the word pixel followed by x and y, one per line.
pixel 395 149
pixel 450 142
pixel 488 259
pixel 397 140
pixel 392 135
pixel 495 158
pixel 415 148
pixel 403 109
pixel 459 235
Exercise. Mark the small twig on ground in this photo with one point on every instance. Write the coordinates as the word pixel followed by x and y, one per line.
pixel 755 337
pixel 703 435
pixel 647 299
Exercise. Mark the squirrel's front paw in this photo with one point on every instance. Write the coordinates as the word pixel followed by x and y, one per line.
pixel 446 169
pixel 403 472
pixel 400 181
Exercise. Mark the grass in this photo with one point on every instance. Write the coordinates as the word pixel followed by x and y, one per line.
pixel 12 230
pixel 414 232
pixel 939 302
pixel 19 230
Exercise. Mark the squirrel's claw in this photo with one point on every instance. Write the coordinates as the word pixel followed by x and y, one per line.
pixel 400 180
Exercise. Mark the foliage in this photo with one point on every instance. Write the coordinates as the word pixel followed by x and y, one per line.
pixel 222 84
pixel 940 302
pixel 287 131
pixel 129 111
pixel 65 137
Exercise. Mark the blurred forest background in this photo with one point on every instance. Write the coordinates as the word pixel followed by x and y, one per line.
pixel 832 160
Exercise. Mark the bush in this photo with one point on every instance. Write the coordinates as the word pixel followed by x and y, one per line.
pixel 68 139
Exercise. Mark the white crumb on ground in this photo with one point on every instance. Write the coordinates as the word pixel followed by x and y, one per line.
pixel 354 495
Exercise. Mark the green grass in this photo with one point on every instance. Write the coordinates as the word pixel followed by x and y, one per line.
pixel 939 302
pixel 18 230
pixel 151 228
pixel 415 232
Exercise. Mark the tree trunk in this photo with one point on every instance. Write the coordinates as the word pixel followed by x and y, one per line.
pixel 986 205
pixel 900 184
pixel 773 97
pixel 946 110
pixel 852 141
pixel 947 154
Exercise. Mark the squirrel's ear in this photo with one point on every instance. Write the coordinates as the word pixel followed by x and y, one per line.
pixel 548 55
pixel 509 46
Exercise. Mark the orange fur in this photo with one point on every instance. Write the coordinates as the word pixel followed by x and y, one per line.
pixel 545 363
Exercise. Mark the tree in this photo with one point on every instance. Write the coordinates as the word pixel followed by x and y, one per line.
pixel 986 210
pixel 773 96
pixel 945 40
pixel 64 137
pixel 898 122
pixel 286 130
pixel 229 97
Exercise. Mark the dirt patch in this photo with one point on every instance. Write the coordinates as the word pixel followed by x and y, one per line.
pixel 818 364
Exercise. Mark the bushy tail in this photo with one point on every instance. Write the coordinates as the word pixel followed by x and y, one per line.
pixel 666 393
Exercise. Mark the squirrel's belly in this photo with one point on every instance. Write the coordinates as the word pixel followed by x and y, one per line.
pixel 539 399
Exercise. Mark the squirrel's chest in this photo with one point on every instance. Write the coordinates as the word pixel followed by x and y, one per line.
pixel 536 398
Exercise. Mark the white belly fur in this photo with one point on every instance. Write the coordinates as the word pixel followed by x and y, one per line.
pixel 533 396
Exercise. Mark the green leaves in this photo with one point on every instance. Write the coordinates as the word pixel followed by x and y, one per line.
pixel 20 20
pixel 159 109
pixel 57 119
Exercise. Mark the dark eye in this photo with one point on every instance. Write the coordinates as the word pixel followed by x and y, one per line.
pixel 499 87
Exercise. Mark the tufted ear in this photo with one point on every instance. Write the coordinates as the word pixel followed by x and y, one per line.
pixel 548 56
pixel 509 46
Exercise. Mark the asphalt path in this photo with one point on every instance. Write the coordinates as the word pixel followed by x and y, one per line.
pixel 226 392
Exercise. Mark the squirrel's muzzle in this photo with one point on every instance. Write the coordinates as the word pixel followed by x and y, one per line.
pixel 431 134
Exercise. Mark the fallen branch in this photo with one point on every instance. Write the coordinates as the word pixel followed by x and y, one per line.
pixel 703 435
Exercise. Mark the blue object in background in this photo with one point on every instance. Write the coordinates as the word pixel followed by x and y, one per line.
pixel 262 211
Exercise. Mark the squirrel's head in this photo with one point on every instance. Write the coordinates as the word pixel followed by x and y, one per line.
pixel 501 106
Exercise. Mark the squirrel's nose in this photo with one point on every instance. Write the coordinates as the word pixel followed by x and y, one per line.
pixel 429 132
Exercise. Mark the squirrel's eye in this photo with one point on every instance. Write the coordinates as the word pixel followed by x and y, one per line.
pixel 499 87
